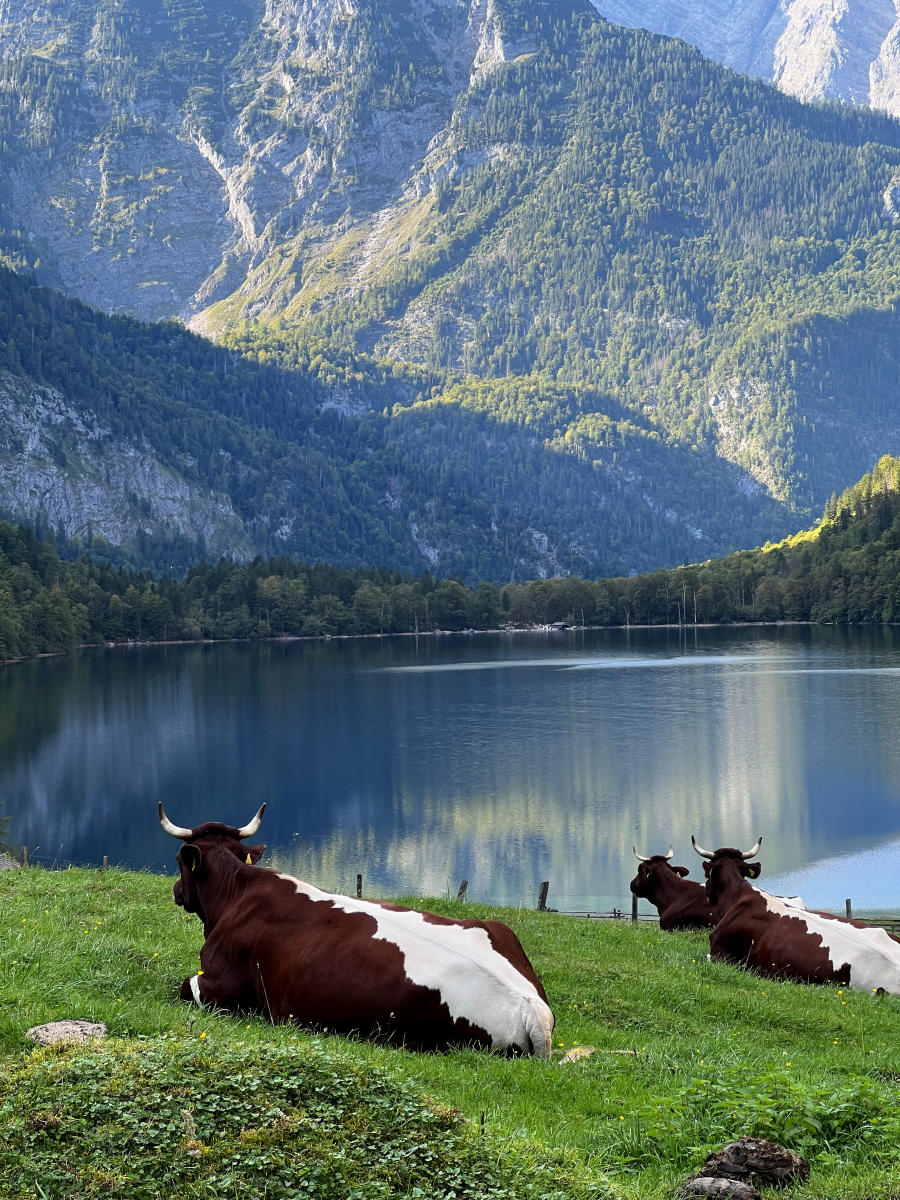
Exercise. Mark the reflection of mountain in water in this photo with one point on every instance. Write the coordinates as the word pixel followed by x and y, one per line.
pixel 418 778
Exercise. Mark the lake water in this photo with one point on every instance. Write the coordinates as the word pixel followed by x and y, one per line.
pixel 505 759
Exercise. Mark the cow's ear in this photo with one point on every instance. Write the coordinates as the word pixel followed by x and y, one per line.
pixel 754 870
pixel 682 871
pixel 191 857
pixel 706 868
pixel 252 854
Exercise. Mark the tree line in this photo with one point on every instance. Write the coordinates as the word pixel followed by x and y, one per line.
pixel 846 570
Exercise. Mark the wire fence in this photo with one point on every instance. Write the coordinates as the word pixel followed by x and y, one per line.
pixel 56 862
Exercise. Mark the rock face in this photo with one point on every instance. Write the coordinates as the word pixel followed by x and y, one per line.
pixel 60 466
pixel 815 49
pixel 165 157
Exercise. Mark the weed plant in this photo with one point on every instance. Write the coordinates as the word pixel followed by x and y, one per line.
pixel 686 1055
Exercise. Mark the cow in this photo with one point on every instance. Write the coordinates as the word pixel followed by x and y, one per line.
pixel 284 948
pixel 780 939
pixel 681 903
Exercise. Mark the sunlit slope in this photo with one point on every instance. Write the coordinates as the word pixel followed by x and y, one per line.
pixel 844 570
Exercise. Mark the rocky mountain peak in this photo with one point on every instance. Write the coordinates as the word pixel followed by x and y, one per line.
pixel 814 49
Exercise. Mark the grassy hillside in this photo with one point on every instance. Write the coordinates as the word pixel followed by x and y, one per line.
pixel 686 1055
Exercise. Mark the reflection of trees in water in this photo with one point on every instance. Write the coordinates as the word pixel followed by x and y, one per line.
pixel 31 705
pixel 416 780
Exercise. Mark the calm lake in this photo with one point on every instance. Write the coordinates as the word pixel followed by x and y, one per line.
pixel 505 759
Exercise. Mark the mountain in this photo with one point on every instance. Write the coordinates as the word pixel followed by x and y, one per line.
pixel 813 49
pixel 496 286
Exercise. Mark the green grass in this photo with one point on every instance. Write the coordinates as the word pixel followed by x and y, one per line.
pixel 687 1054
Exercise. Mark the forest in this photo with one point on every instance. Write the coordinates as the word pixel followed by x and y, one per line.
pixel 844 570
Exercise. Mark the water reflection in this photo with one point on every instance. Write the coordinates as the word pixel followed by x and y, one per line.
pixel 418 762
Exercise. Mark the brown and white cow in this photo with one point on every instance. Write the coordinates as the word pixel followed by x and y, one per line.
pixel 779 939
pixel 682 904
pixel 284 948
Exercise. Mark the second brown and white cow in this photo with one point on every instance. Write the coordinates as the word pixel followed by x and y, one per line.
pixel 284 948
pixel 776 938
pixel 681 903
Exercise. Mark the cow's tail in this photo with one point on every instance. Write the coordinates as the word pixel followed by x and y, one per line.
pixel 539 1022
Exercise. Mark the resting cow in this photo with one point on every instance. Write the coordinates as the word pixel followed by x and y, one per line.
pixel 776 938
pixel 682 904
pixel 284 948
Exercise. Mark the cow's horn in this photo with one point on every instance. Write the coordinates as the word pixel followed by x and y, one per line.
pixel 249 830
pixel 703 853
pixel 671 853
pixel 639 857
pixel 183 835
pixel 750 853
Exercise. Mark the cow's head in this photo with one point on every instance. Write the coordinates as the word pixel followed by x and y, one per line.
pixel 726 864
pixel 651 870
pixel 201 840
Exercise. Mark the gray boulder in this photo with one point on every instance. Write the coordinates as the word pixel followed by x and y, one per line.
pixel 65 1031
pixel 708 1185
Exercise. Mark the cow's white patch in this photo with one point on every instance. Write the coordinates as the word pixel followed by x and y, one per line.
pixel 791 901
pixel 195 990
pixel 475 982
pixel 874 957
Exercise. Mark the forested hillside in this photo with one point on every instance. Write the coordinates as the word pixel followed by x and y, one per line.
pixel 813 49
pixel 693 243
pixel 173 448
pixel 845 570
pixel 504 291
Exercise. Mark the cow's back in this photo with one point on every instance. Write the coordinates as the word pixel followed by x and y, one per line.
pixel 347 964
pixel 776 938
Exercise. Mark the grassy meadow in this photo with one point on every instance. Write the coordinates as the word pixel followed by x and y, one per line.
pixel 686 1055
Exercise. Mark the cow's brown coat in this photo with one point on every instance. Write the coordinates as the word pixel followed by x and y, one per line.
pixel 272 950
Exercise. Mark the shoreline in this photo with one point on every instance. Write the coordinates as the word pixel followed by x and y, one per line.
pixel 430 633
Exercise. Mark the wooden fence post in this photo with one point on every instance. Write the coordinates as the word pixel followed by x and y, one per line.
pixel 24 856
pixel 461 894
pixel 634 910
pixel 542 895
pixel 105 862
pixel 849 910
pixel 359 887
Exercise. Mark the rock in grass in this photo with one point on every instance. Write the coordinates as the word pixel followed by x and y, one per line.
pixel 65 1031
pixel 756 1160
pixel 709 1185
